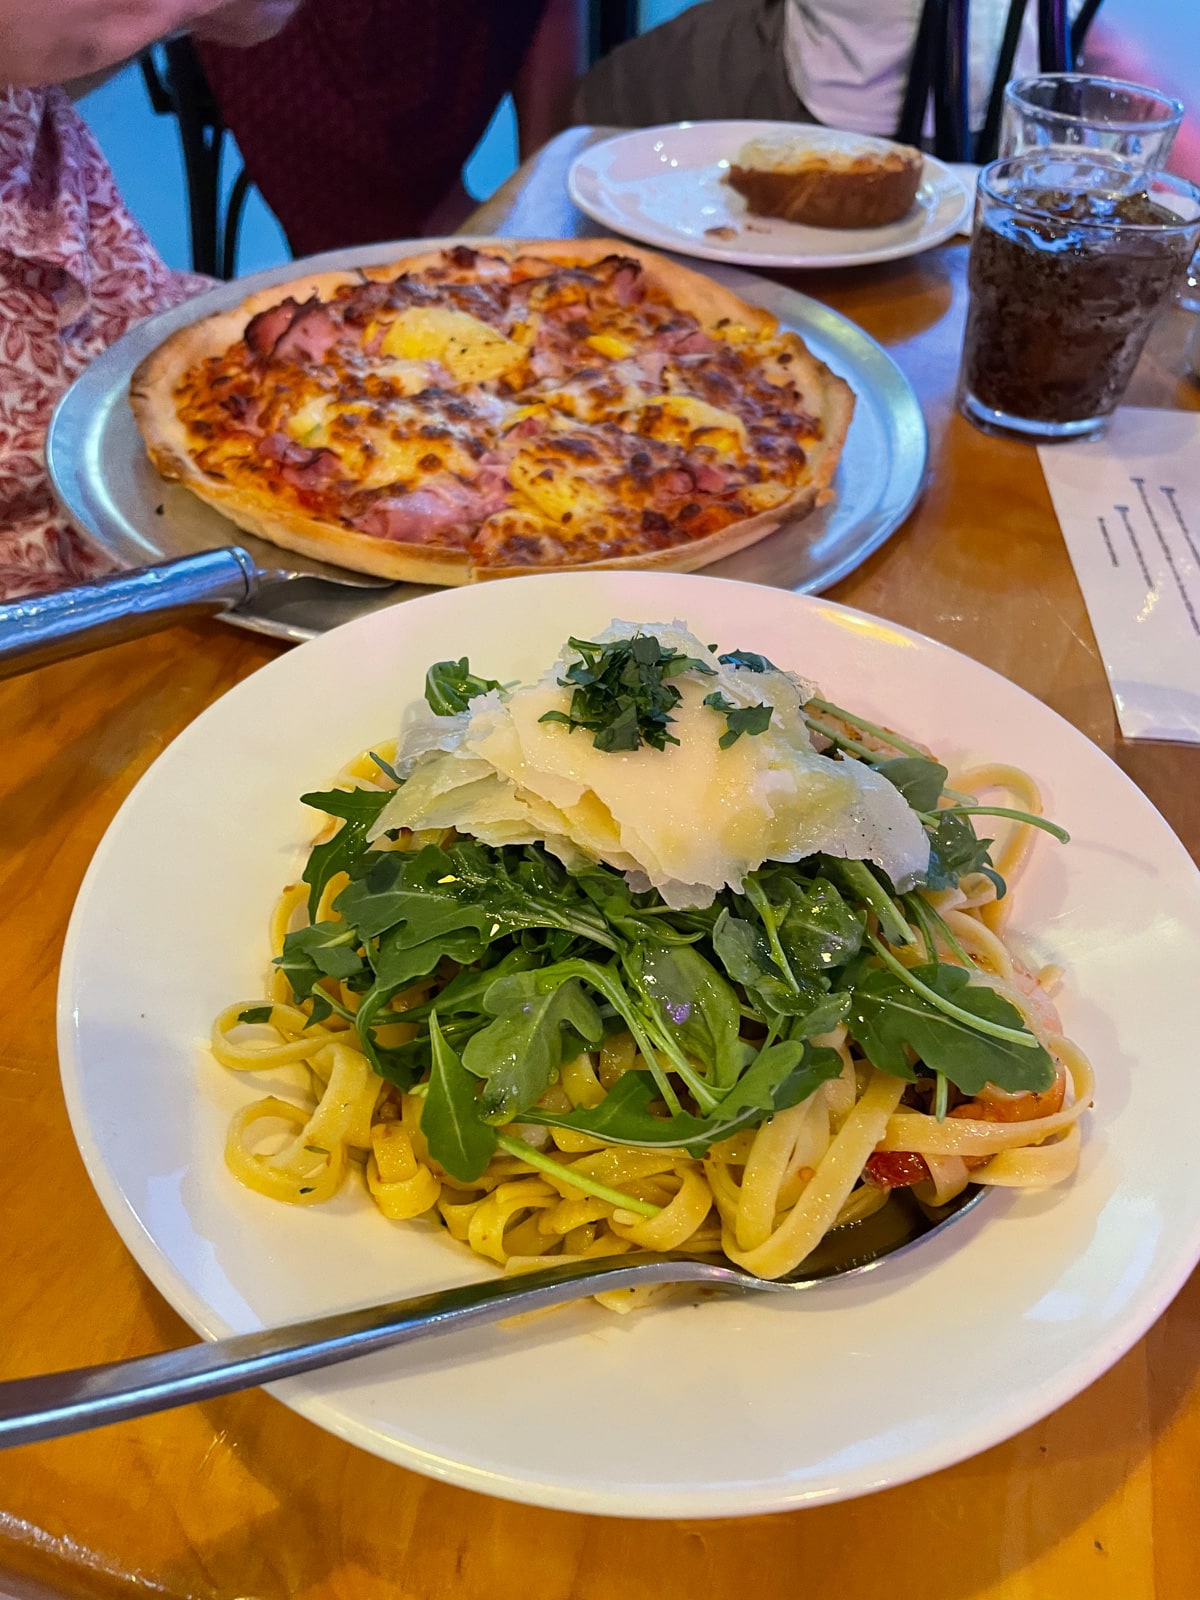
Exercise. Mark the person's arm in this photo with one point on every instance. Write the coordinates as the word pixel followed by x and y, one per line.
pixel 245 22
pixel 546 82
pixel 58 41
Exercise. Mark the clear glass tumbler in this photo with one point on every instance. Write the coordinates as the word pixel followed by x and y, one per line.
pixel 1075 112
pixel 1072 258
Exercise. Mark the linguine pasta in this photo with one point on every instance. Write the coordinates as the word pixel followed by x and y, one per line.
pixel 549 1183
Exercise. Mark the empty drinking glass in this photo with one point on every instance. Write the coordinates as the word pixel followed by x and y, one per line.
pixel 1075 112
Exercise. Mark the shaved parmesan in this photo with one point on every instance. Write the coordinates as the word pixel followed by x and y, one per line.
pixel 687 820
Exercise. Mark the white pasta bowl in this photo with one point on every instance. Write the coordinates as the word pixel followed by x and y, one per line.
pixel 718 1408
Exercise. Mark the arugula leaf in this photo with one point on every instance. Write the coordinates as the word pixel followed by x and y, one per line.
pixel 697 1007
pixel 747 661
pixel 817 928
pixel 359 808
pixel 743 950
pixel 413 895
pixel 824 1017
pixel 621 693
pixel 920 782
pixel 386 768
pixel 627 914
pixel 955 850
pixel 755 1089
pixel 886 1016
pixel 322 950
pixel 450 686
pixel 624 1115
pixel 399 963
pixel 463 995
pixel 398 966
pixel 542 1020
pixel 256 1014
pixel 322 1007
pixel 458 1139
pixel 406 1064
pixel 433 891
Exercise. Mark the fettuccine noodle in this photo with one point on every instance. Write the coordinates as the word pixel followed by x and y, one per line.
pixel 764 1198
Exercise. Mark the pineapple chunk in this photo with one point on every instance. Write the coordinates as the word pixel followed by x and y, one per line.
pixel 408 377
pixel 685 420
pixel 762 496
pixel 399 460
pixel 553 487
pixel 310 424
pixel 608 344
pixel 471 351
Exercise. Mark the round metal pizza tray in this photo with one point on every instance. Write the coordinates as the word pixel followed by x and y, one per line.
pixel 115 497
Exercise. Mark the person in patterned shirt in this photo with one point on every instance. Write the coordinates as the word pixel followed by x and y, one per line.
pixel 76 270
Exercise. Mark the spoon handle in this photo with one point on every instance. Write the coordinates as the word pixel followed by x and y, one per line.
pixel 58 1403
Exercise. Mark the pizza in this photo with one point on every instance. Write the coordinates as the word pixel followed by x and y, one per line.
pixel 478 412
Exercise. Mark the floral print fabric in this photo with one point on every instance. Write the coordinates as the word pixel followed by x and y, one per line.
pixel 76 270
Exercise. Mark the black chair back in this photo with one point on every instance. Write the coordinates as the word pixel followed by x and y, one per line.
pixel 940 71
pixel 177 86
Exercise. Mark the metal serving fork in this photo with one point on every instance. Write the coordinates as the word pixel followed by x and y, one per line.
pixel 88 1397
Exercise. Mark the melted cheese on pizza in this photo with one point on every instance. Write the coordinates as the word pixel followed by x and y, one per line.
pixel 527 411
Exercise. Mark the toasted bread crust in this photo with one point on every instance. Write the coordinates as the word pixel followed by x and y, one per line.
pixel 868 192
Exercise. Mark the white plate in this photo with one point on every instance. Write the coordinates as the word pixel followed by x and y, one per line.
pixel 717 1409
pixel 664 186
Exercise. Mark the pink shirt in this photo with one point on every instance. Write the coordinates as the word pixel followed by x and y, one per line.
pixel 76 271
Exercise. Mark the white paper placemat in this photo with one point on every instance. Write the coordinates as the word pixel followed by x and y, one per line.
pixel 1129 508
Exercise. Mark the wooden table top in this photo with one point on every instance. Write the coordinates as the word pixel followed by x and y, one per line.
pixel 241 1498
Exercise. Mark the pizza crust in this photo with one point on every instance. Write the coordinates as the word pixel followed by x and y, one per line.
pixel 152 397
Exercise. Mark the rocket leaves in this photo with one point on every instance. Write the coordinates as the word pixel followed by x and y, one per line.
pixel 458 1140
pixel 889 1019
pixel 359 808
pixel 782 1076
pixel 696 1005
pixel 450 686
pixel 504 965
pixel 541 1020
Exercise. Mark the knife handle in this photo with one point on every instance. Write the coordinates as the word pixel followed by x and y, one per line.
pixel 73 622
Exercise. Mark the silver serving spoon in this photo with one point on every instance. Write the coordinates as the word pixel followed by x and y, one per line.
pixel 88 1397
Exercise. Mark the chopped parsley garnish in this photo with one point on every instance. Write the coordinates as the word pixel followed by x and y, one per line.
pixel 622 694
pixel 739 719
pixel 747 660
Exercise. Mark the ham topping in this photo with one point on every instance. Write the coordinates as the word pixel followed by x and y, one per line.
pixel 302 468
pixel 685 342
pixel 318 473
pixel 292 332
pixel 309 335
pixel 278 447
pixel 710 480
pixel 442 511
pixel 264 331
pixel 627 285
